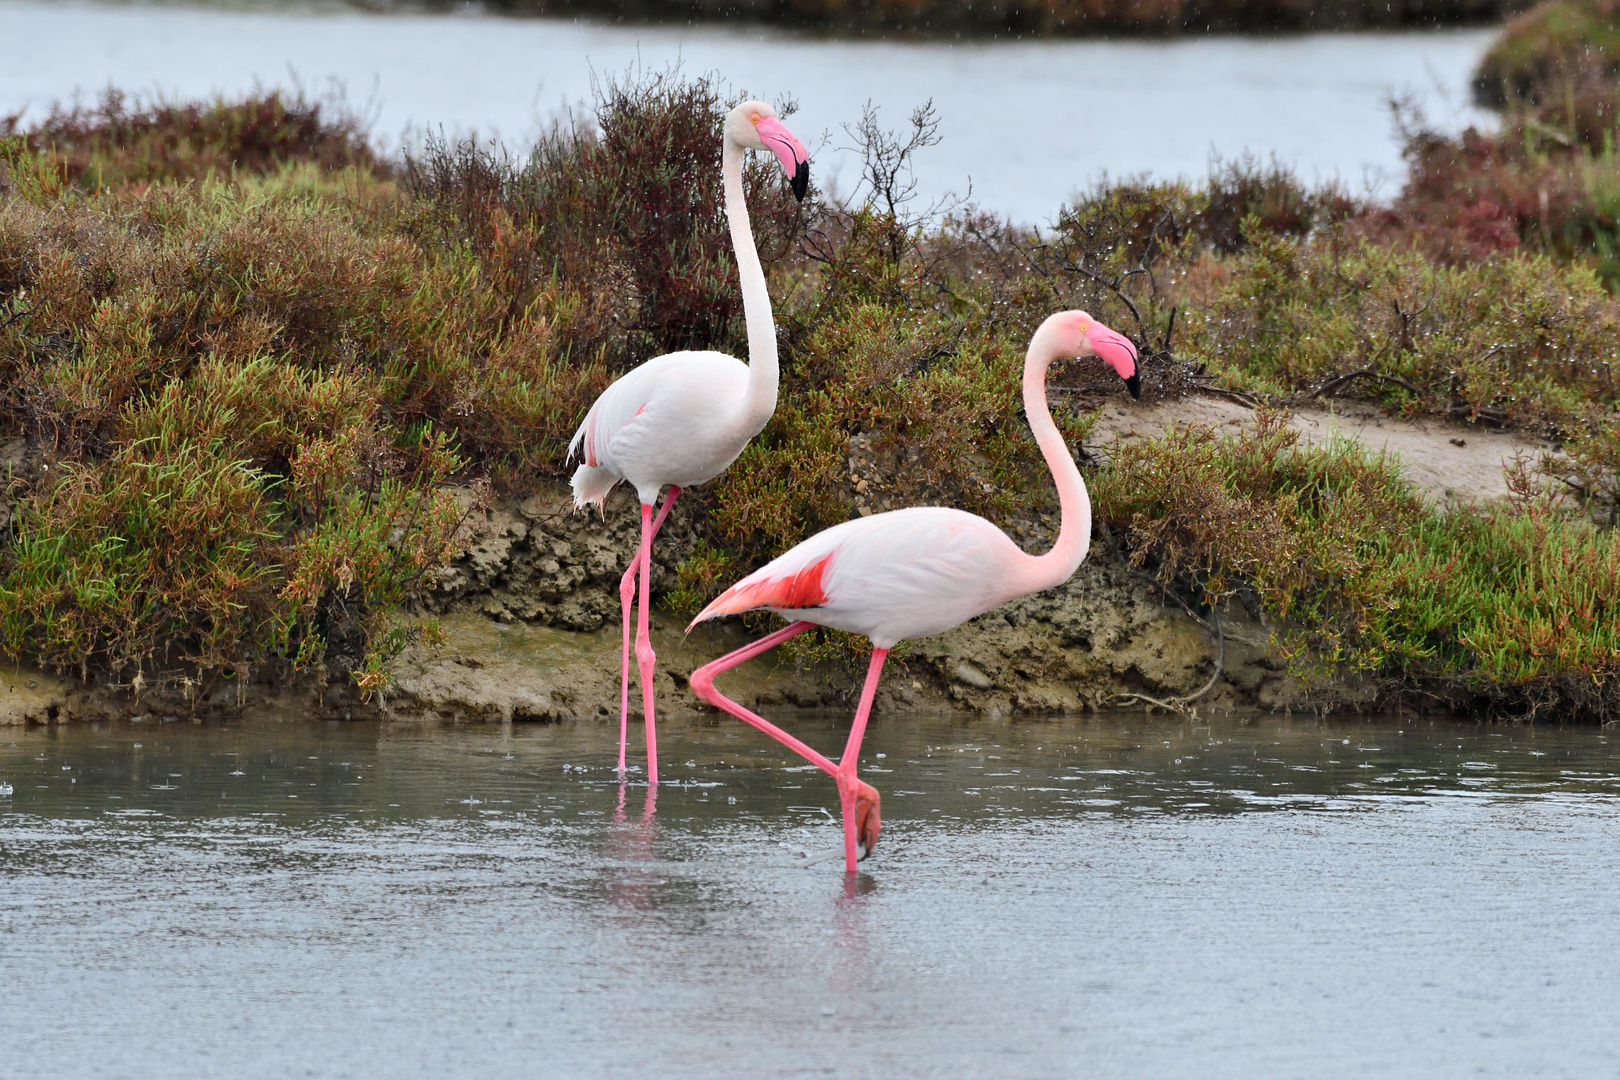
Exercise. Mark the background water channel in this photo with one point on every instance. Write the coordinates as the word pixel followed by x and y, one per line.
pixel 1027 122
pixel 1107 897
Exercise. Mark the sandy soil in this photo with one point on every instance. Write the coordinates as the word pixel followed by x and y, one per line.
pixel 1448 461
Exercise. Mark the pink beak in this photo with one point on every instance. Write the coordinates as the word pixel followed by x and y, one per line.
pixel 1118 353
pixel 789 151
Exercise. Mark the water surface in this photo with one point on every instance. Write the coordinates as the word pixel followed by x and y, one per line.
pixel 1026 122
pixel 1112 897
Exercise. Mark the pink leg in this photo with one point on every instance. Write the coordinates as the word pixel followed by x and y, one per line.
pixel 858 800
pixel 646 659
pixel 849 787
pixel 703 687
pixel 627 596
pixel 627 599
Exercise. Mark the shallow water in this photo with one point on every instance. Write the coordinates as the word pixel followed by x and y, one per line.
pixel 1109 897
pixel 1027 122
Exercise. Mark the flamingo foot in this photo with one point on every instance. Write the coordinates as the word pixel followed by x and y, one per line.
pixel 867 819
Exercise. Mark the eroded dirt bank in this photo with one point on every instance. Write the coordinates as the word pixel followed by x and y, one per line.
pixel 530 617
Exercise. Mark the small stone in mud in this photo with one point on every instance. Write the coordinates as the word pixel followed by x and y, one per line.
pixel 972 676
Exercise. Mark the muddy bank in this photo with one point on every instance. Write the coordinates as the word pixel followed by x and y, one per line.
pixel 531 610
pixel 531 620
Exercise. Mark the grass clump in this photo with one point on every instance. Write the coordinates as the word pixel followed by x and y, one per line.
pixel 623 220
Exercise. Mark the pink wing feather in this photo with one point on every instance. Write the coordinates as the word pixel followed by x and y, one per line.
pixel 790 590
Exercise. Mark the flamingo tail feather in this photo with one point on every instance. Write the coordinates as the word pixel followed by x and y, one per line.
pixel 798 591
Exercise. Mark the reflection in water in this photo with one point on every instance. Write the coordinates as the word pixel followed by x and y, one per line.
pixel 629 875
pixel 1114 896
pixel 852 960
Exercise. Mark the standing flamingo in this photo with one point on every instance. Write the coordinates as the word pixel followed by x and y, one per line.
pixel 911 573
pixel 681 418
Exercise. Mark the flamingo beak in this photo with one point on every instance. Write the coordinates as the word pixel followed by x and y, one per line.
pixel 789 151
pixel 1116 350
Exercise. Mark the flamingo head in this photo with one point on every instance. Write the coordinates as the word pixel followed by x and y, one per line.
pixel 753 125
pixel 867 822
pixel 1081 335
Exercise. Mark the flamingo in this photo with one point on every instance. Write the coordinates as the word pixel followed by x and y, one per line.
pixel 680 419
pixel 915 572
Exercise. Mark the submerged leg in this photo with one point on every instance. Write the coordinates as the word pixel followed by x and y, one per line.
pixel 627 597
pixel 860 800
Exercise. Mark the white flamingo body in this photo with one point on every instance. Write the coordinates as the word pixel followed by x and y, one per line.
pixel 902 574
pixel 681 418
pixel 912 573
pixel 678 420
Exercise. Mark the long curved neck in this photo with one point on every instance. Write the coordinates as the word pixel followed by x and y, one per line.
pixel 762 369
pixel 1048 571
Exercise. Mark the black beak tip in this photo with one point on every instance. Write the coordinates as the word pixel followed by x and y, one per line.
pixel 1134 385
pixel 801 181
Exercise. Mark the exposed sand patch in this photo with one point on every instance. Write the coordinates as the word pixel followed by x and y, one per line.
pixel 1448 461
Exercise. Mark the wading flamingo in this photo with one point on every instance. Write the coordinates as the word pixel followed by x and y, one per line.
pixel 915 572
pixel 681 418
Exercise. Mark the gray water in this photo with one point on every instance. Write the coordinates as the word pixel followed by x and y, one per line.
pixel 1025 124
pixel 1111 897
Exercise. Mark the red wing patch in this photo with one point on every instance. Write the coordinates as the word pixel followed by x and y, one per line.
pixel 590 443
pixel 795 592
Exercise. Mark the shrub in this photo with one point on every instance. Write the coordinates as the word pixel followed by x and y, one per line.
pixel 1043 17
pixel 1504 606
pixel 626 218
pixel 1503 341
pixel 1548 54
pixel 118 142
